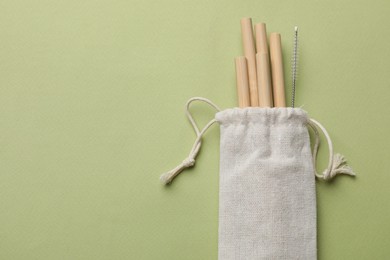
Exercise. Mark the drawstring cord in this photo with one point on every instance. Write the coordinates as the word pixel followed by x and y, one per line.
pixel 337 163
pixel 167 177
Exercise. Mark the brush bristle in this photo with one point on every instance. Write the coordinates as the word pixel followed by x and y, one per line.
pixel 294 65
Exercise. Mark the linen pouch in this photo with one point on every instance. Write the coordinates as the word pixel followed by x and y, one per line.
pixel 267 199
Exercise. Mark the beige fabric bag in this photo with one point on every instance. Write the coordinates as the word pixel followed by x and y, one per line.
pixel 267 200
pixel 267 206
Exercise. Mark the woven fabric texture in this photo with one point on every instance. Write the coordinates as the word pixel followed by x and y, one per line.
pixel 267 207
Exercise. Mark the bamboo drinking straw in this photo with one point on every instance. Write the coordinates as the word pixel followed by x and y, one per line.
pixel 263 66
pixel 277 70
pixel 264 80
pixel 242 82
pixel 250 54
pixel 261 38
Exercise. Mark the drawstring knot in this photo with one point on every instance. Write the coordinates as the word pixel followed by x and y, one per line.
pixel 167 177
pixel 337 162
pixel 188 162
pixel 339 166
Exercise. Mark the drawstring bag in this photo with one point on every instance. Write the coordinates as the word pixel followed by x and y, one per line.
pixel 267 199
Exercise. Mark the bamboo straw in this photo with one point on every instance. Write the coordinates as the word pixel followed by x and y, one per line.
pixel 261 38
pixel 263 66
pixel 242 82
pixel 264 80
pixel 277 70
pixel 250 54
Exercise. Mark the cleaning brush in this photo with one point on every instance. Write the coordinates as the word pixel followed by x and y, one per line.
pixel 294 65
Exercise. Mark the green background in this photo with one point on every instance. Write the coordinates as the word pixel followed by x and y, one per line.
pixel 91 113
